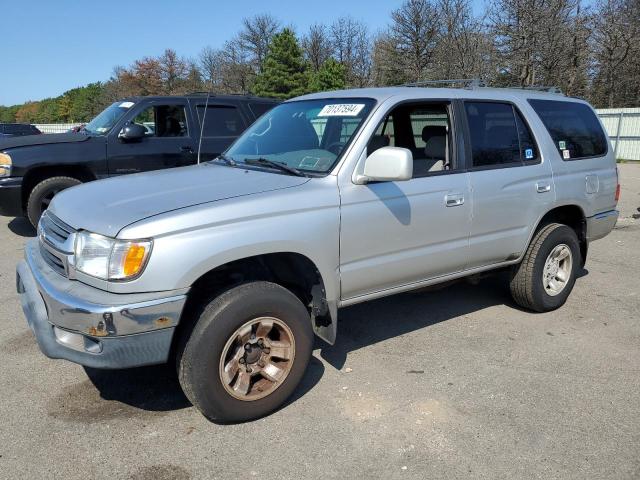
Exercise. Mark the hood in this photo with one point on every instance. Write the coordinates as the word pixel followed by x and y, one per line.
pixel 45 139
pixel 107 206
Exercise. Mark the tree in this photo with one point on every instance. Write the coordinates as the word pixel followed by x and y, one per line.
pixel 256 36
pixel 316 46
pixel 330 76
pixel 173 71
pixel 615 43
pixel 284 73
pixel 463 48
pixel 351 46
pixel 413 37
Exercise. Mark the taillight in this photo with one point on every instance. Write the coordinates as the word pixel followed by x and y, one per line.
pixel 617 185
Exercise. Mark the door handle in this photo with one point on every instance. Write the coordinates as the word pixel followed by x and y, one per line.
pixel 454 199
pixel 186 148
pixel 543 187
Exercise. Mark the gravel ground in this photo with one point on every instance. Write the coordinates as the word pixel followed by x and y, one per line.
pixel 451 383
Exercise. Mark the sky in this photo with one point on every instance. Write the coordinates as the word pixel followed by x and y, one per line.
pixel 56 45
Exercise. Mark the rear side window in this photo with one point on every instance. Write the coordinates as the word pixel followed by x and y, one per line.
pixel 499 135
pixel 574 128
pixel 259 109
pixel 220 121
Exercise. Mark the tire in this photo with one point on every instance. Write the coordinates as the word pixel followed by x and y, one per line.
pixel 201 369
pixel 41 195
pixel 529 284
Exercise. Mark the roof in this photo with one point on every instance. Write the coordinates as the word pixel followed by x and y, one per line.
pixel 202 95
pixel 402 92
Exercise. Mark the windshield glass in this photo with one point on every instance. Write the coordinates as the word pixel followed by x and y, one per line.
pixel 308 135
pixel 108 118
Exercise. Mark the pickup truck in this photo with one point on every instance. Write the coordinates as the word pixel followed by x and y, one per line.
pixel 132 135
pixel 230 267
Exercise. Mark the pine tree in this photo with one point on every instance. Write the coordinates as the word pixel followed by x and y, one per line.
pixel 284 74
pixel 332 75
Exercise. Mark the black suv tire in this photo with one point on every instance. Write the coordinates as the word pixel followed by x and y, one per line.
pixel 42 194
pixel 218 332
pixel 528 278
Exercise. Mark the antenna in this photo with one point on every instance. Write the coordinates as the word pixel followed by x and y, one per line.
pixel 204 116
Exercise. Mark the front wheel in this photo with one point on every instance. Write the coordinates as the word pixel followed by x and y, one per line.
pixel 544 279
pixel 41 195
pixel 247 352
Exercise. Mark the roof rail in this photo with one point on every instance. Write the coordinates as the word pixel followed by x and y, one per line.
pixel 457 82
pixel 540 88
pixel 476 83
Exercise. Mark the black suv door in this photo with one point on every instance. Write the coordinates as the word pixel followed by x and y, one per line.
pixel 170 139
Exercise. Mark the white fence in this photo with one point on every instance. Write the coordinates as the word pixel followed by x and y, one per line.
pixel 55 127
pixel 623 128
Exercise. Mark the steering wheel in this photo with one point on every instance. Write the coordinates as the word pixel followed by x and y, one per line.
pixel 338 146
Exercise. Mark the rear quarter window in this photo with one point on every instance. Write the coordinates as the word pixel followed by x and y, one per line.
pixel 574 128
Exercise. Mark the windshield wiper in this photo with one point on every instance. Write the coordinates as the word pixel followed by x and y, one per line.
pixel 270 163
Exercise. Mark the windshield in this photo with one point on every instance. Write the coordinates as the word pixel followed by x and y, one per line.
pixel 307 135
pixel 107 118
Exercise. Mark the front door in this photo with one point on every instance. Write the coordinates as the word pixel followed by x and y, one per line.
pixel 398 233
pixel 169 140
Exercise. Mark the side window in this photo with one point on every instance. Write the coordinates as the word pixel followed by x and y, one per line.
pixel 163 121
pixel 259 109
pixel 498 135
pixel 220 121
pixel 574 128
pixel 425 129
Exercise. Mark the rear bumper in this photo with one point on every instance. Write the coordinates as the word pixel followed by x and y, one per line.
pixel 11 197
pixel 600 225
pixel 70 327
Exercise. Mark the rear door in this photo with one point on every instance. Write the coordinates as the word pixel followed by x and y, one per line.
pixel 221 124
pixel 170 139
pixel 512 183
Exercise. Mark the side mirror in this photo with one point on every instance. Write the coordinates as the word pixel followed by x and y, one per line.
pixel 388 164
pixel 132 132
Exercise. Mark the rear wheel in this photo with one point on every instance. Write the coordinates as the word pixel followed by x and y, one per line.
pixel 42 194
pixel 545 277
pixel 247 352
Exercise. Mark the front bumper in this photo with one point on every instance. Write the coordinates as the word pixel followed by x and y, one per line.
pixel 118 331
pixel 11 197
pixel 600 225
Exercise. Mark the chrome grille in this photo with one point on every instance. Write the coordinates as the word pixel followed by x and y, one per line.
pixel 56 242
pixel 55 230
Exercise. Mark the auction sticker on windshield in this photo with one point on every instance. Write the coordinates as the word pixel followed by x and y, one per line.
pixel 126 105
pixel 341 110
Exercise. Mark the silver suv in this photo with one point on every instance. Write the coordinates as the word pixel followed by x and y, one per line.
pixel 229 268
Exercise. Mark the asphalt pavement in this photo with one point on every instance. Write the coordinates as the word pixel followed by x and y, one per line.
pixel 448 383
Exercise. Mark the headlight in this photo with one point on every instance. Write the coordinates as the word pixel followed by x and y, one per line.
pixel 110 259
pixel 5 165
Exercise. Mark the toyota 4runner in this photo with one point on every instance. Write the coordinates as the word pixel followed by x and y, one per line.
pixel 229 268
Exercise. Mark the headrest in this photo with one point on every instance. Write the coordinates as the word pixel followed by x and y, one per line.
pixel 433 131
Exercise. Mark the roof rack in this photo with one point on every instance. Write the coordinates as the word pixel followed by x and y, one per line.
pixel 540 88
pixel 458 82
pixel 476 83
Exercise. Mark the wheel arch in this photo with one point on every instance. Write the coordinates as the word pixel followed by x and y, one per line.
pixel 293 271
pixel 38 174
pixel 569 214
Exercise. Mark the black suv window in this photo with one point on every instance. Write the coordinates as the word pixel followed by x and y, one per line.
pixel 221 121
pixel 259 109
pixel 163 121
pixel 574 128
pixel 499 135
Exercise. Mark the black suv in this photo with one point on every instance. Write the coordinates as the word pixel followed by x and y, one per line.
pixel 132 135
pixel 17 130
